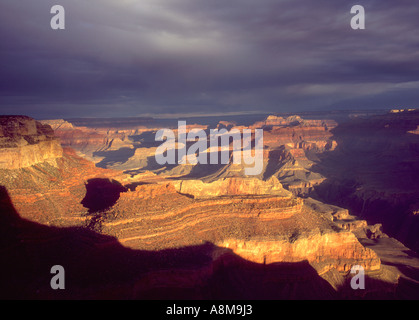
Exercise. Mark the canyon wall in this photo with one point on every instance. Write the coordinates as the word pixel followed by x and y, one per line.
pixel 374 172
pixel 259 222
pixel 231 186
pixel 324 251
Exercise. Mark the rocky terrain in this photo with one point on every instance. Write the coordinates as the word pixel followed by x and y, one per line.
pixel 25 142
pixel 45 181
pixel 374 172
pixel 125 228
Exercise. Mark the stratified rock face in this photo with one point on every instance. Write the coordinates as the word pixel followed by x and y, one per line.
pixel 51 192
pixel 230 187
pixel 25 142
pixel 250 218
pixel 262 229
pixel 18 131
pixel 324 251
pixel 94 142
pixel 164 218
pixel 58 124
pixel 46 183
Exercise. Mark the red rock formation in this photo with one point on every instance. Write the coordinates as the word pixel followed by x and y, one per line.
pixel 324 251
pixel 264 229
pixel 251 218
pixel 415 131
pixel 25 142
pixel 52 194
pixel 374 171
pixel 230 187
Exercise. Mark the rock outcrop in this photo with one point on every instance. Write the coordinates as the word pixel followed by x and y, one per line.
pixel 46 183
pixel 25 142
pixel 231 187
pixel 289 231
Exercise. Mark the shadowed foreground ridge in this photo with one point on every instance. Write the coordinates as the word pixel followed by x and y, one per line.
pixel 374 172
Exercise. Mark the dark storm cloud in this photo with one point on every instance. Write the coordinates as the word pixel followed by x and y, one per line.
pixel 127 57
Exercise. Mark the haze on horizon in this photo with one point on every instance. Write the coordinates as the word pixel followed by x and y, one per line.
pixel 133 58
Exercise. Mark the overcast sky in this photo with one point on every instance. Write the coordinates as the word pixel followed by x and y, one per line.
pixel 142 57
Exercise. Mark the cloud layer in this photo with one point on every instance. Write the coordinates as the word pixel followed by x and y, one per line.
pixel 127 57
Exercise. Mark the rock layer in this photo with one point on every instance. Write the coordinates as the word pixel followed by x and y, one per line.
pixel 247 221
pixel 324 251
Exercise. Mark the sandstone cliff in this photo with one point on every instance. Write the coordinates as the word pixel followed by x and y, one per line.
pixel 253 219
pixel 46 183
pixel 374 172
pixel 231 186
pixel 25 142
pixel 265 229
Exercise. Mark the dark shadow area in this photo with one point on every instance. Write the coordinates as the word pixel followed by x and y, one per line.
pixel 114 156
pixel 200 171
pixel 131 122
pixel 99 267
pixel 102 194
pixel 152 165
pixel 374 172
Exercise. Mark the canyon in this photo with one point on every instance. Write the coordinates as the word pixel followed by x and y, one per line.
pixel 90 196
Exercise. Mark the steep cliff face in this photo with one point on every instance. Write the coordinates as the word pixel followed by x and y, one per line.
pixel 46 183
pixel 150 215
pixel 230 187
pixel 324 251
pixel 25 142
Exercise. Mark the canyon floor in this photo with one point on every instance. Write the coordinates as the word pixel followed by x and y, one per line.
pixel 88 194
